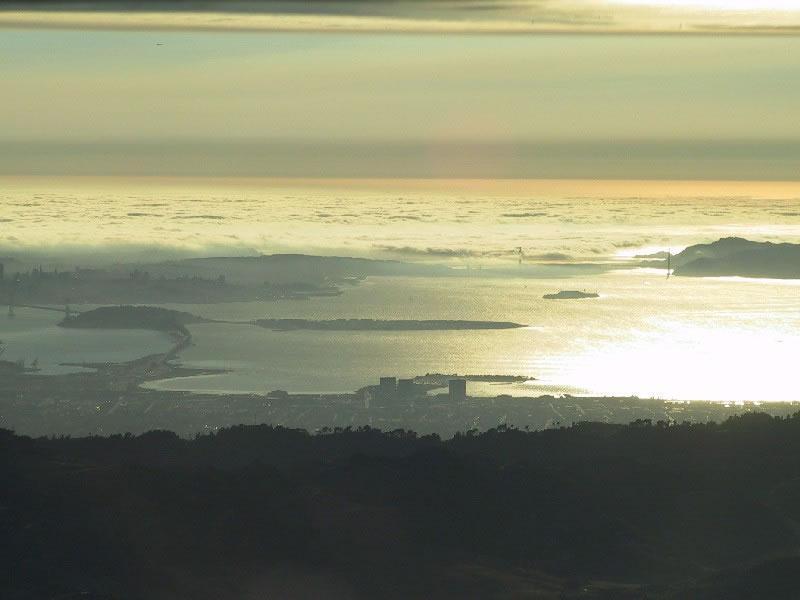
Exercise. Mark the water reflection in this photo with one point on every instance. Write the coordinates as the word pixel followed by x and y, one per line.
pixel 685 339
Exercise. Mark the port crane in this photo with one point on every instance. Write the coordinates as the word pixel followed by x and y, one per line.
pixel 669 263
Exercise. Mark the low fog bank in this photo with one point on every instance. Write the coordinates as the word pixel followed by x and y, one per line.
pixel 72 255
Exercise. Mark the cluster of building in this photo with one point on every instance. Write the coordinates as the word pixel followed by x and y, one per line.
pixel 391 390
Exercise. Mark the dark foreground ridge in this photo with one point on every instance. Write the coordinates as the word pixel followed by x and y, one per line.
pixel 593 511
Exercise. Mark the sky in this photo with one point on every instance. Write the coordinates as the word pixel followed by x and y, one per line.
pixel 187 102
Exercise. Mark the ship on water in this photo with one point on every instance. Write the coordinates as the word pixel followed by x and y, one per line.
pixel 570 295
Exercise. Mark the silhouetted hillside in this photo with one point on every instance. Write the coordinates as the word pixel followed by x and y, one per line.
pixel 290 268
pixel 739 257
pixel 594 511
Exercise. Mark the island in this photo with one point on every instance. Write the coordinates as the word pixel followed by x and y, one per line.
pixel 174 322
pixel 133 317
pixel 381 325
pixel 570 295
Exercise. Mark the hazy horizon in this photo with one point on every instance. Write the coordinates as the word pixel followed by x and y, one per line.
pixel 273 104
pixel 680 17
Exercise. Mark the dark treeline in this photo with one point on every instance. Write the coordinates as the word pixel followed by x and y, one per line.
pixel 592 511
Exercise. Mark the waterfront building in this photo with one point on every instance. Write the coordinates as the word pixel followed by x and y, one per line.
pixel 458 390
pixel 387 387
pixel 405 388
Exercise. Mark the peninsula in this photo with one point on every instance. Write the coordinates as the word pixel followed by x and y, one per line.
pixel 176 282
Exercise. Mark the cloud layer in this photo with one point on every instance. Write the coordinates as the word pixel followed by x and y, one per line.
pixel 549 16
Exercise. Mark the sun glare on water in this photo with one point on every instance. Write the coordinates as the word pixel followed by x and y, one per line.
pixel 697 363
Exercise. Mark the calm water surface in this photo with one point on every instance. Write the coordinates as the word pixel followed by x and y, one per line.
pixel 687 339
pixel 34 335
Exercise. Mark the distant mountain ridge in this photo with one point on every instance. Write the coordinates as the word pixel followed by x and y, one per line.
pixel 292 268
pixel 735 256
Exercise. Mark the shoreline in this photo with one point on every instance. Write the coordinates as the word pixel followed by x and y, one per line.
pixel 114 399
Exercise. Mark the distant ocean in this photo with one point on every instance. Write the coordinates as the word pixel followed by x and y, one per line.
pixel 462 223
